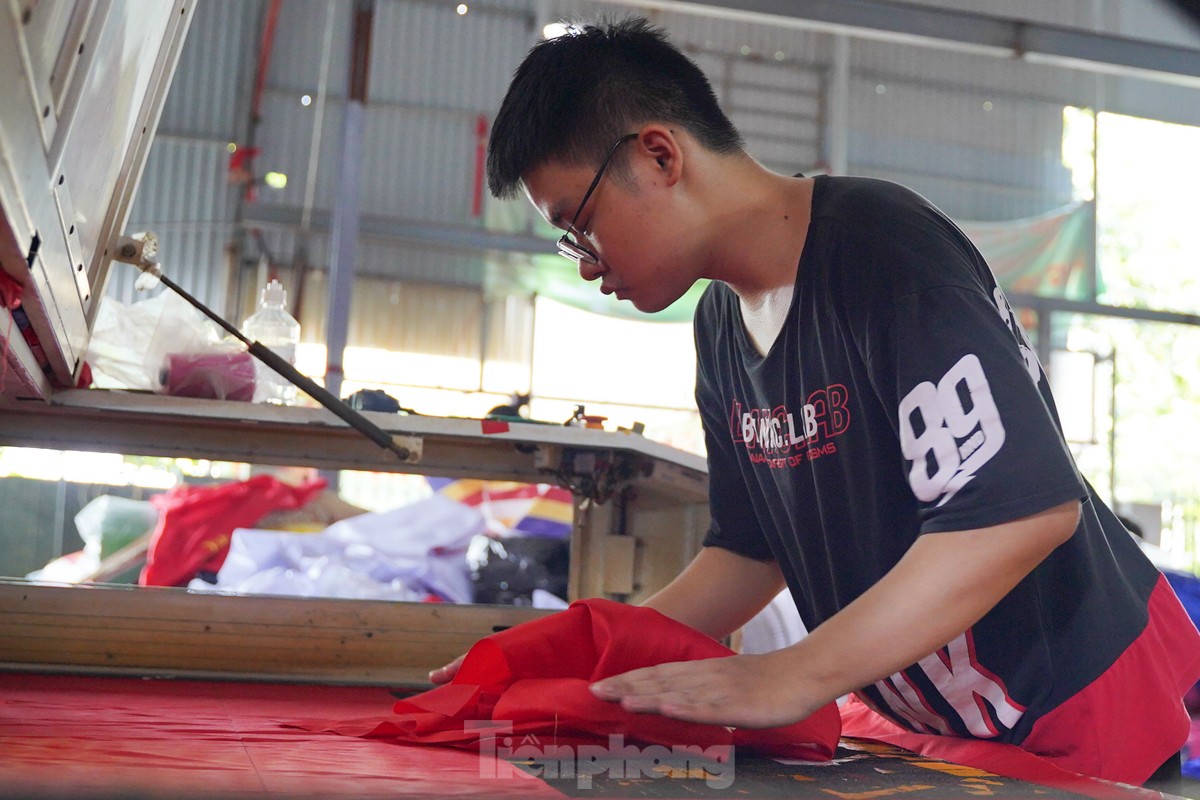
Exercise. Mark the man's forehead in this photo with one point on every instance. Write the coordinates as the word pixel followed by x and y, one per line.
pixel 548 190
pixel 552 210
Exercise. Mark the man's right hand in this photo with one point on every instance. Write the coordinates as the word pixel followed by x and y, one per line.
pixel 446 674
pixel 716 594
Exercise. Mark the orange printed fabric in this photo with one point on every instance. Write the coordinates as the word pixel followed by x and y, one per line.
pixel 532 681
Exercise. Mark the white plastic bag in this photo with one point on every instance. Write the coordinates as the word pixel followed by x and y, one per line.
pixel 162 344
pixel 108 523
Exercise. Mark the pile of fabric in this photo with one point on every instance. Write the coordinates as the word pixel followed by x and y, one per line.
pixel 468 541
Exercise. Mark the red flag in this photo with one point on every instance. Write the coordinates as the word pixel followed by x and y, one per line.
pixel 195 523
pixel 532 681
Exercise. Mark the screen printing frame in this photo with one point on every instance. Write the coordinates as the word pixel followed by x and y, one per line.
pixel 81 77
pixel 77 78
pixel 640 515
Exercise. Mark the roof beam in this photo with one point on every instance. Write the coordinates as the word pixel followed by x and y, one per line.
pixel 960 30
pixel 392 229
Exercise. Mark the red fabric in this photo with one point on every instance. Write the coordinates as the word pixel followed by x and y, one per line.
pixel 239 159
pixel 195 523
pixel 10 291
pixel 74 736
pixel 10 298
pixel 219 376
pixel 1133 715
pixel 487 426
pixel 1120 728
pixel 534 679
pixel 860 722
pixel 70 736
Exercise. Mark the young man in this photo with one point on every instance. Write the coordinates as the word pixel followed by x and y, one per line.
pixel 880 435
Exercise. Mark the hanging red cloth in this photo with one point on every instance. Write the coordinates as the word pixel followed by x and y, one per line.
pixel 10 291
pixel 195 523
pixel 532 681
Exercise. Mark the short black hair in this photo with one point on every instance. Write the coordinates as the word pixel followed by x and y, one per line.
pixel 574 95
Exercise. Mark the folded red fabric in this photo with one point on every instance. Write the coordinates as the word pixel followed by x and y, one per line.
pixel 532 681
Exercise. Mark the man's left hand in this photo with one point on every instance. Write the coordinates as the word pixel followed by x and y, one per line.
pixel 743 691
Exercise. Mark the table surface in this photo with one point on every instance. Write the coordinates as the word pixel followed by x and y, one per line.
pixel 93 737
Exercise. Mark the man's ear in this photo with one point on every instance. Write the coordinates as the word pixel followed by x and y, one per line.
pixel 660 143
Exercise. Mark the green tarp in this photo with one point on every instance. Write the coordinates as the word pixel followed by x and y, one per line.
pixel 1047 255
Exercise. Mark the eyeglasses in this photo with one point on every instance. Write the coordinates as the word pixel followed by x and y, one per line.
pixel 567 246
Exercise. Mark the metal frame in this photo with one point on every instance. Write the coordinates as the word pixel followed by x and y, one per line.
pixel 61 205
pixel 641 508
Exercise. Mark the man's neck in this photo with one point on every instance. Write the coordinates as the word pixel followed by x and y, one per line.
pixel 761 239
pixel 759 224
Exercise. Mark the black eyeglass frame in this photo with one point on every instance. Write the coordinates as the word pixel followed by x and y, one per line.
pixel 568 247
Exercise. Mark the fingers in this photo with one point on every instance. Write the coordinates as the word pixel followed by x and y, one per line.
pixel 446 674
pixel 684 691
pixel 679 705
pixel 630 684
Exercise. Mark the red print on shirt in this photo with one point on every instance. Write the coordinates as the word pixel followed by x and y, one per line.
pixel 781 438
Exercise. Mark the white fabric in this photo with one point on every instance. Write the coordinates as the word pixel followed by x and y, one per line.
pixel 403 554
pixel 775 627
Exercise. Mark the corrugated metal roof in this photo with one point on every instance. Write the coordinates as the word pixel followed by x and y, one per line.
pixel 426 54
pixel 1143 19
pixel 185 199
pixel 206 98
pixel 434 72
pixel 299 39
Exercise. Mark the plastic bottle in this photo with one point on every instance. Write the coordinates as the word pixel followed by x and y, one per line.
pixel 274 327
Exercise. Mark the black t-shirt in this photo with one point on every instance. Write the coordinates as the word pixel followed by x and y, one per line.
pixel 902 398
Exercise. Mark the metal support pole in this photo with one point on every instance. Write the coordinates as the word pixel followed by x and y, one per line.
pixel 1093 262
pixel 1112 435
pixel 837 126
pixel 1098 104
pixel 1045 332
pixel 344 241
pixel 300 255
